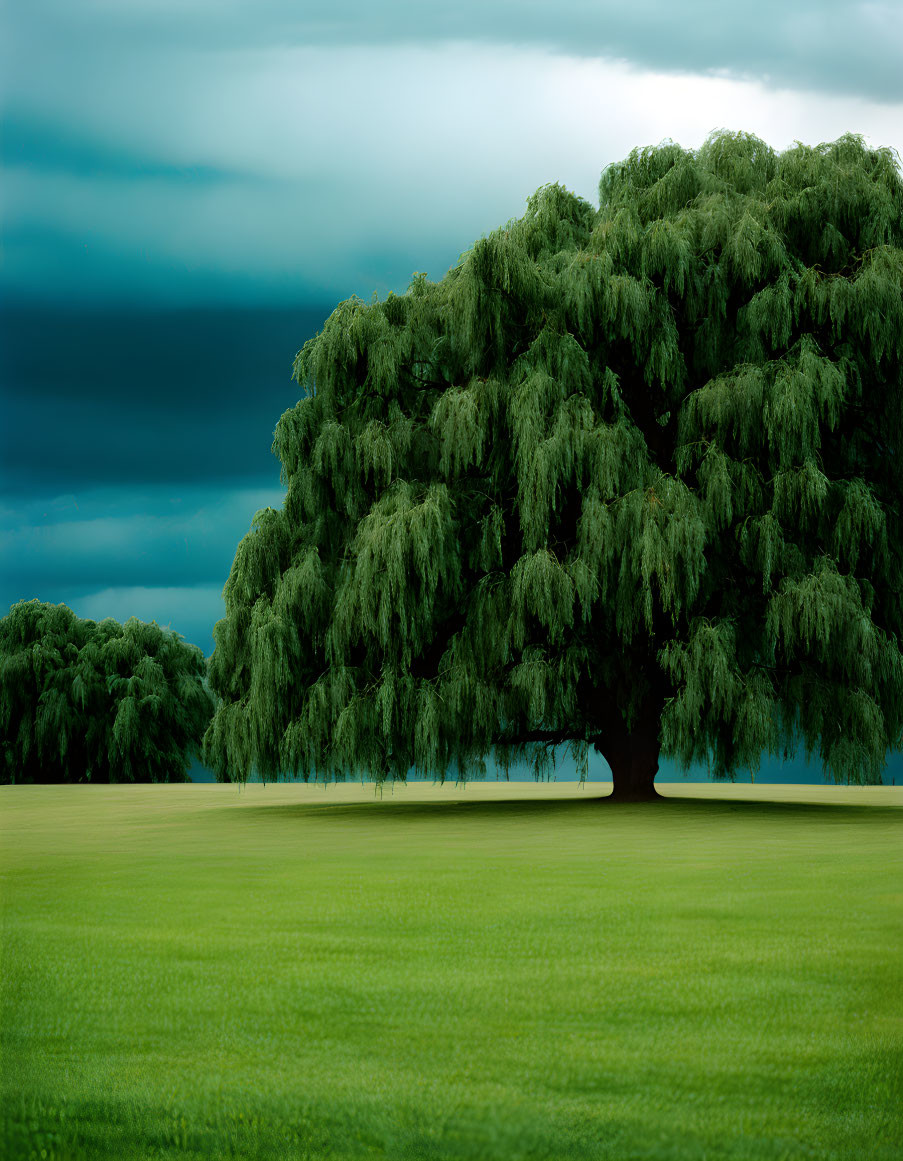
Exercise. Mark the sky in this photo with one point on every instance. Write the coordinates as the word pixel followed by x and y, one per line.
pixel 191 186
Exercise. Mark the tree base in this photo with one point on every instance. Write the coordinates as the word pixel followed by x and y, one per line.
pixel 632 754
pixel 633 794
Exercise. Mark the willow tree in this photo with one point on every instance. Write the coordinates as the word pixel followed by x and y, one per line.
pixel 85 701
pixel 623 478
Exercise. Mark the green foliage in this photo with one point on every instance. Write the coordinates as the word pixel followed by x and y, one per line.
pixel 621 471
pixel 97 702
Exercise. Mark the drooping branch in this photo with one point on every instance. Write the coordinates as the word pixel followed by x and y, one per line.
pixel 607 437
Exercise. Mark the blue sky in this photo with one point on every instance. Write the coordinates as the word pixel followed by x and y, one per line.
pixel 190 188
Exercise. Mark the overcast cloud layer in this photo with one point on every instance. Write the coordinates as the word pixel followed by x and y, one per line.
pixel 97 397
pixel 135 452
pixel 200 152
pixel 160 553
pixel 836 46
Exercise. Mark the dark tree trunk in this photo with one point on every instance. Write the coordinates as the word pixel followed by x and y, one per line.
pixel 632 754
pixel 633 770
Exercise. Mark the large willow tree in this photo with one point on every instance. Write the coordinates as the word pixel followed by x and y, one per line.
pixel 86 701
pixel 624 478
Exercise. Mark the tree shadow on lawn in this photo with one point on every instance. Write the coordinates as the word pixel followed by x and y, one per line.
pixel 688 809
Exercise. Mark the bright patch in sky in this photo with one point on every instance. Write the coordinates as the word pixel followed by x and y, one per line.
pixel 314 173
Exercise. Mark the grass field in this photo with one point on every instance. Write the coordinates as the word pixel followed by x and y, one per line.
pixel 486 972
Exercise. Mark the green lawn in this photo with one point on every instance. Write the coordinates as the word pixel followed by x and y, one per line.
pixel 505 972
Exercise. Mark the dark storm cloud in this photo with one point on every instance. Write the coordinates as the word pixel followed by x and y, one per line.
pixel 126 537
pixel 134 452
pixel 831 45
pixel 108 214
pixel 156 552
pixel 46 146
pixel 43 260
pixel 172 395
pixel 834 46
pixel 112 214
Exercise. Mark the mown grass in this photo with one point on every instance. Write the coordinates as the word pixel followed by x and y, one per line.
pixel 451 974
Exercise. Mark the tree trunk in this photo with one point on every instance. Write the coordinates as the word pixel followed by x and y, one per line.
pixel 632 755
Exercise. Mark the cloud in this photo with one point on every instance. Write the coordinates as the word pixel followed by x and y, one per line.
pixel 835 46
pixel 162 395
pixel 57 548
pixel 190 611
pixel 48 147
pixel 335 170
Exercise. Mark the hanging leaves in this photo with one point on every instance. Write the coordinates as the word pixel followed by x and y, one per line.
pixel 628 464
pixel 97 701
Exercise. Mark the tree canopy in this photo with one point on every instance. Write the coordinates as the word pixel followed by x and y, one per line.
pixel 625 477
pixel 85 701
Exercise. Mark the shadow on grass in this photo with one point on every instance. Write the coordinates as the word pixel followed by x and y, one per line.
pixel 389 808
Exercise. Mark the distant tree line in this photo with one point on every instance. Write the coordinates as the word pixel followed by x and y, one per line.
pixel 86 701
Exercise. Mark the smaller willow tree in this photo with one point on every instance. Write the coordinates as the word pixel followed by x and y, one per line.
pixel 624 478
pixel 85 701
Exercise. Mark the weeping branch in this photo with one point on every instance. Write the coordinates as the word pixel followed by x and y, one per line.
pixel 622 476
